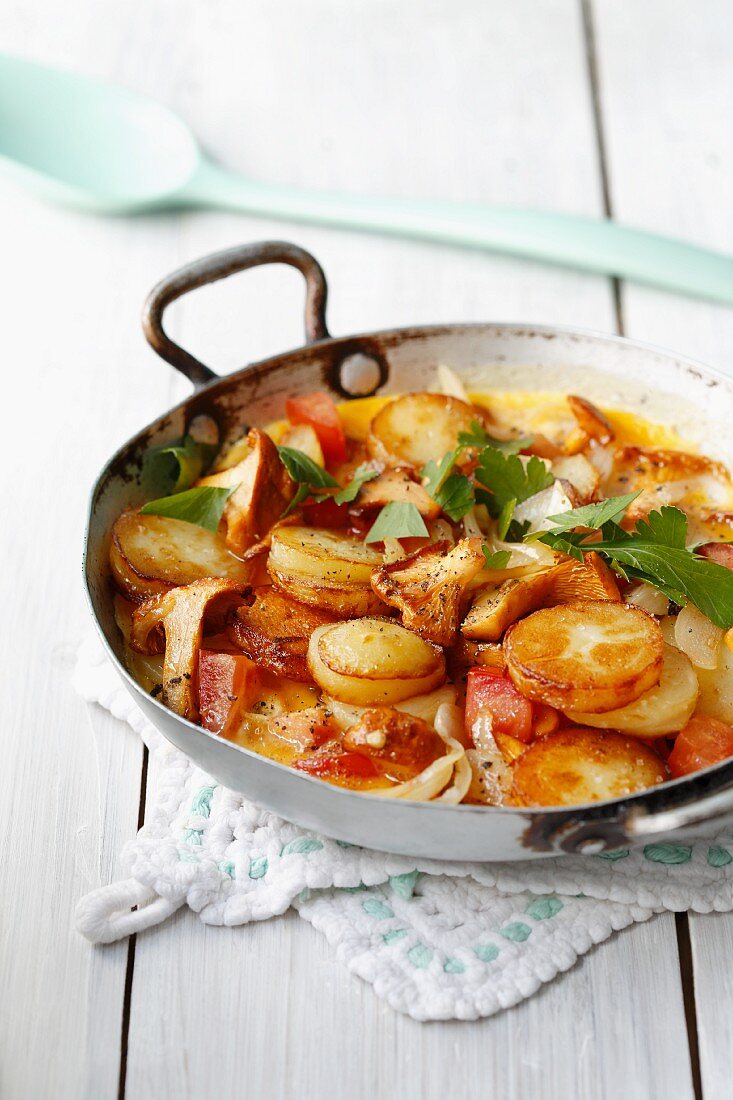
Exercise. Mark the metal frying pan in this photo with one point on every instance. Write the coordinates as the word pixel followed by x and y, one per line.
pixel 609 369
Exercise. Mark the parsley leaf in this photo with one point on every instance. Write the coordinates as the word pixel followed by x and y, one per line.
pixel 453 492
pixel 362 474
pixel 655 552
pixel 202 506
pixel 593 515
pixel 508 479
pixel 397 520
pixel 477 436
pixel 498 559
pixel 304 470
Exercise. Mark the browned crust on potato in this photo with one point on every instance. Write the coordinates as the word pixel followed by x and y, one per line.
pixel 591 420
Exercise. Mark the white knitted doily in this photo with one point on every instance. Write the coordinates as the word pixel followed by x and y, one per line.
pixel 436 940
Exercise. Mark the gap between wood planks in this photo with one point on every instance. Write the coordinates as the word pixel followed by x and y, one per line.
pixel 130 968
pixel 681 923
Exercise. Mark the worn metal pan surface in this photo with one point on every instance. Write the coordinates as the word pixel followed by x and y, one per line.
pixel 609 369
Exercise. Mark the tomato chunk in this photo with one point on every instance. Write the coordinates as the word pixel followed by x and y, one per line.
pixel 332 761
pixel 703 742
pixel 222 689
pixel 326 513
pixel 511 712
pixel 319 411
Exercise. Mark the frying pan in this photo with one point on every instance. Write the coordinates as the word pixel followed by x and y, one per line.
pixel 609 369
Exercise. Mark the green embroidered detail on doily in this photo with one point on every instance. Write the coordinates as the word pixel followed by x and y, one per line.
pixel 345 844
pixel 376 908
pixel 187 857
pixel 453 966
pixel 404 885
pixel 517 932
pixel 395 934
pixel 227 868
pixel 192 836
pixel 258 867
pixel 487 952
pixel 301 846
pixel 354 889
pixel 420 956
pixel 620 853
pixel 304 894
pixel 668 853
pixel 542 908
pixel 202 802
pixel 719 857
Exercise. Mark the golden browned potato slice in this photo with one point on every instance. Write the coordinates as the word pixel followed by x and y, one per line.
pixel 264 490
pixel 593 655
pixel 575 766
pixel 325 569
pixel 666 709
pixel 274 632
pixel 428 587
pixel 417 427
pixel 150 554
pixel 174 624
pixel 372 661
pixel 397 486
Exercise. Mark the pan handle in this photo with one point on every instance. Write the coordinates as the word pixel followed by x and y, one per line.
pixel 217 266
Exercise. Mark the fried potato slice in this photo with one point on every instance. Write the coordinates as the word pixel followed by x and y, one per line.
pixel 665 709
pixel 576 766
pixel 173 623
pixel 324 569
pixel 581 474
pixel 371 661
pixel 274 632
pixel 301 437
pixel 264 490
pixel 496 608
pixel 151 554
pixel 417 427
pixel 592 655
pixel 397 486
pixel 428 587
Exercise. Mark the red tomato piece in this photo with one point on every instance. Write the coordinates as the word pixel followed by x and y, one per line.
pixel 319 411
pixel 335 763
pixel 703 742
pixel 222 688
pixel 488 690
pixel 326 514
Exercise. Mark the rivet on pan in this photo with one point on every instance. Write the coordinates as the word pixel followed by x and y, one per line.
pixel 360 374
pixel 204 429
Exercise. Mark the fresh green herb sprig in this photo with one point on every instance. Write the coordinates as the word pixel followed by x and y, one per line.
pixel 176 466
pixel 654 552
pixel 202 506
pixel 397 520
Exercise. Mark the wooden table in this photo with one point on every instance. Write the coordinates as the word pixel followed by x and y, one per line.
pixel 604 107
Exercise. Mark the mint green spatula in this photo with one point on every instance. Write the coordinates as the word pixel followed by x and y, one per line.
pixel 96 146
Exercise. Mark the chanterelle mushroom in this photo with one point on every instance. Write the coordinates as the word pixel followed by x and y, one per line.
pixel 264 490
pixel 173 623
pixel 428 587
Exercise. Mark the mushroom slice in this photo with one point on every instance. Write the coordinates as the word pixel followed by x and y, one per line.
pixel 173 624
pixel 397 486
pixel 428 587
pixel 591 420
pixel 263 491
pixel 497 608
pixel 591 656
pixel 274 632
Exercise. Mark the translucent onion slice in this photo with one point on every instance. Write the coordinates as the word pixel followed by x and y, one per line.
pixel 698 637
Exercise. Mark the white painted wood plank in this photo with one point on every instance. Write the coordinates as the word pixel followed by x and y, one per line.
pixel 666 91
pixel 77 381
pixel 474 101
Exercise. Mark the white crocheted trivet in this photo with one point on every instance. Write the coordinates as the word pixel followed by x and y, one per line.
pixel 436 940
